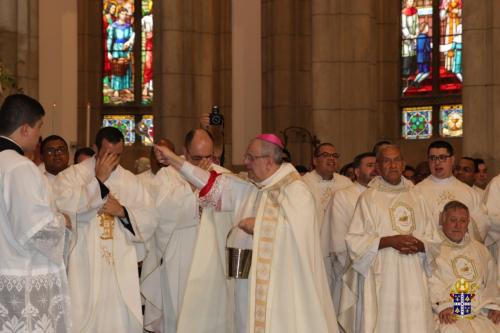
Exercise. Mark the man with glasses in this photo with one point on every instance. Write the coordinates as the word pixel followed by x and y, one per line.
pixel 337 220
pixel 323 181
pixel 55 156
pixel 165 273
pixel 387 241
pixel 442 187
pixel 287 281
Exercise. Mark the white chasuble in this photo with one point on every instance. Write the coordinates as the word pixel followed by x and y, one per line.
pixel 323 190
pixel 33 286
pixel 288 286
pixel 103 273
pixel 471 261
pixel 344 282
pixel 395 295
pixel 438 192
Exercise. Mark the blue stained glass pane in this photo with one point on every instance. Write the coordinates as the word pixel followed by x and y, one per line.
pixel 417 122
pixel 451 121
pixel 126 124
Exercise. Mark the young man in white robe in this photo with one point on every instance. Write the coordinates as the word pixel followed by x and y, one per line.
pixel 33 284
pixel 168 264
pixel 324 181
pixel 337 220
pixel 113 213
pixel 288 285
pixel 462 262
pixel 55 156
pixel 387 241
pixel 441 187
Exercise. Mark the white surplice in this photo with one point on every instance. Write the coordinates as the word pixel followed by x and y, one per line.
pixel 334 230
pixel 103 274
pixel 469 260
pixel 492 201
pixel 323 190
pixel 438 192
pixel 395 295
pixel 33 284
pixel 288 285
pixel 168 264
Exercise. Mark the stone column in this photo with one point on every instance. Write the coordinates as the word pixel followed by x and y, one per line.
pixel 344 74
pixel 19 42
pixel 481 92
pixel 286 73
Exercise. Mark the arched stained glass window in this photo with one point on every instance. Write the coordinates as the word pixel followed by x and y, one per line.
pixel 127 71
pixel 431 68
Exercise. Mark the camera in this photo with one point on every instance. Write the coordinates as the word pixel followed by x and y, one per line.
pixel 215 117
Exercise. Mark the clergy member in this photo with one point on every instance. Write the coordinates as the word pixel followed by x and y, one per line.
pixel 33 284
pixel 287 278
pixel 113 213
pixel 55 156
pixel 337 220
pixel 168 263
pixel 323 181
pixel 387 242
pixel 462 262
pixel 441 187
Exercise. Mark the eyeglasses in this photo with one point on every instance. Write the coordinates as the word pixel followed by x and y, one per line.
pixel 326 155
pixel 252 158
pixel 440 158
pixel 57 150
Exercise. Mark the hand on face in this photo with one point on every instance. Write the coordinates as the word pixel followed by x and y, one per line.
pixel 105 164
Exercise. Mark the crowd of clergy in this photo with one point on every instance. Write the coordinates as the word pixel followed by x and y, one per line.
pixel 374 246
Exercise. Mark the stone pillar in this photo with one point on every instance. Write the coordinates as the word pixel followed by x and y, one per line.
pixel 481 92
pixel 344 74
pixel 286 73
pixel 19 42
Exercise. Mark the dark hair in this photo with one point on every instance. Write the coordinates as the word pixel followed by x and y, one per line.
pixel 410 168
pixel 441 144
pixel 18 110
pixel 51 138
pixel 301 169
pixel 83 151
pixel 343 170
pixel 454 204
pixel 478 161
pixel 378 144
pixel 111 134
pixel 318 147
pixel 359 158
pixel 190 136
pixel 287 157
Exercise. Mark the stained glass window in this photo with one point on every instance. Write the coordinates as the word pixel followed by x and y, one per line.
pixel 148 120
pixel 416 47
pixel 450 48
pixel 451 121
pixel 417 122
pixel 431 68
pixel 125 123
pixel 147 51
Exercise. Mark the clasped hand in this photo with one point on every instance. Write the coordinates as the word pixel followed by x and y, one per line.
pixel 112 207
pixel 405 244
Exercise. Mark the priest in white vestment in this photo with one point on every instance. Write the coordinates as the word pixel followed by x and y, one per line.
pixel 492 202
pixel 387 241
pixel 33 283
pixel 288 286
pixel 441 187
pixel 346 284
pixel 114 213
pixel 324 181
pixel 463 264
pixel 55 156
pixel 168 264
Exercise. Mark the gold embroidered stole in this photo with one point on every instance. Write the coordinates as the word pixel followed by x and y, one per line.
pixel 265 249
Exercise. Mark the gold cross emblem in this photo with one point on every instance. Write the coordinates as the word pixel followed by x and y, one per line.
pixel 107 223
